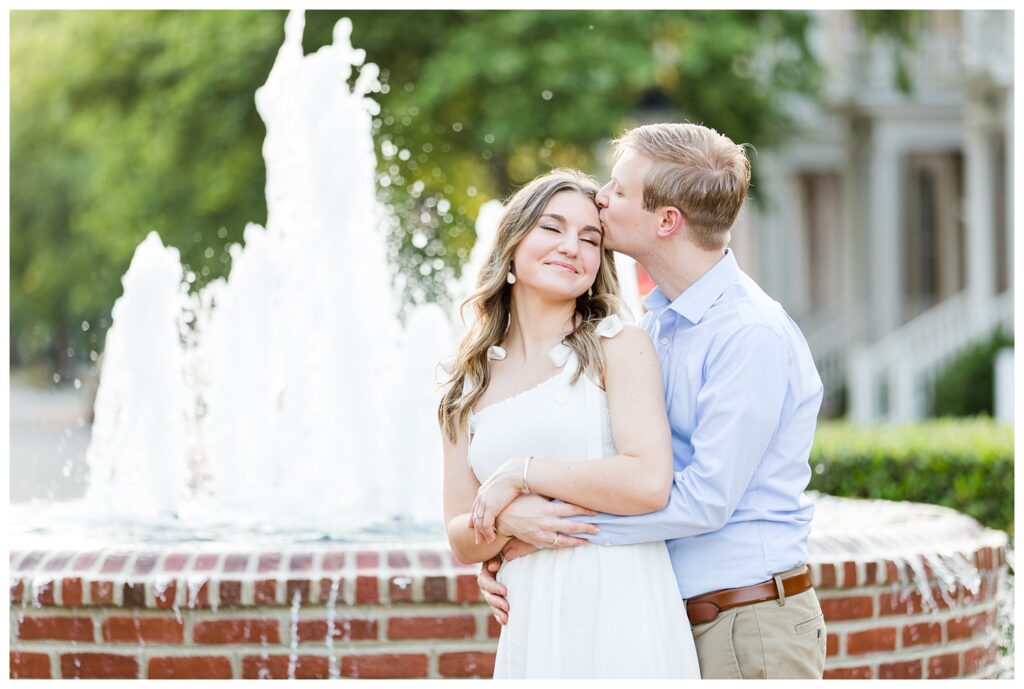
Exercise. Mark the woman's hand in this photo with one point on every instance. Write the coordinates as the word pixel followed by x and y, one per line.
pixel 496 493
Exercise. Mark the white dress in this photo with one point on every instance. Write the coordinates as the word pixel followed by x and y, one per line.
pixel 589 611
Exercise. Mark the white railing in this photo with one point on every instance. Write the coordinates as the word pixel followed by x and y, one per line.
pixel 830 337
pixel 890 378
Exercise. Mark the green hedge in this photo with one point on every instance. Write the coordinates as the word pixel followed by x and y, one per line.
pixel 966 385
pixel 966 464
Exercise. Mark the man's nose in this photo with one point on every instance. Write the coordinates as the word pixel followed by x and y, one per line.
pixel 602 197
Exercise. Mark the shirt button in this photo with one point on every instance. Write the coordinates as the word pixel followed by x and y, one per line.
pixel 664 340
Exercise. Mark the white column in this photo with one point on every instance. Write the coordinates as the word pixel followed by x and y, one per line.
pixel 885 250
pixel 980 211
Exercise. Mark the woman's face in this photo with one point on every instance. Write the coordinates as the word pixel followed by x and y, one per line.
pixel 560 255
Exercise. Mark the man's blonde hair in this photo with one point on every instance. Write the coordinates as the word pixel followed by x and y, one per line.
pixel 697 170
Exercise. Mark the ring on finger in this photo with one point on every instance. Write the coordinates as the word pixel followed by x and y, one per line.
pixel 554 542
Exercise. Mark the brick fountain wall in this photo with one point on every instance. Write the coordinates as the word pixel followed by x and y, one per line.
pixel 401 612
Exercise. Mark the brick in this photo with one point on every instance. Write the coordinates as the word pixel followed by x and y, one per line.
pixel 943 666
pixel 466 589
pixel 831 645
pixel 230 592
pixel 870 572
pixel 429 560
pixel 236 562
pixel 493 627
pixel 236 631
pixel 31 561
pixel 849 575
pixel 145 563
pixel 189 667
pixel 133 595
pixel 297 586
pixel 870 641
pixel 367 560
pixel 301 562
pixel 56 628
pixel 98 666
pixel 102 592
pixel 466 664
pixel 397 559
pixel 435 589
pixel 400 589
pixel 984 559
pixel 276 667
pixel 134 630
pixel 57 562
pixel 344 629
pixel 907 669
pixel 367 590
pixel 114 564
pixel 966 627
pixel 929 633
pixel 899 603
pixel 269 562
pixel 448 627
pixel 71 592
pixel 206 562
pixel 385 666
pixel 859 672
pixel 17 591
pixel 175 562
pixel 847 608
pixel 164 598
pixel 85 561
pixel 325 590
pixel 44 592
pixel 826 577
pixel 265 592
pixel 976 659
pixel 333 562
pixel 30 665
pixel 197 595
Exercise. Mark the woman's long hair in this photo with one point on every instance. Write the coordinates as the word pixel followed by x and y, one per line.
pixel 491 302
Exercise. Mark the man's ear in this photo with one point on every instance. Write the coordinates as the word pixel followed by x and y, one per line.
pixel 670 221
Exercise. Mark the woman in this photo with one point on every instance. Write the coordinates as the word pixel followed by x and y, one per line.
pixel 549 393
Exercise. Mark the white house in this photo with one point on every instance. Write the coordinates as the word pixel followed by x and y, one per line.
pixel 888 228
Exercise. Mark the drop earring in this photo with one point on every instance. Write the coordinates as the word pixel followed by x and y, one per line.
pixel 590 291
pixel 510 277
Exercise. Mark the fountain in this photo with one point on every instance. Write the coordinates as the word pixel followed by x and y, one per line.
pixel 265 469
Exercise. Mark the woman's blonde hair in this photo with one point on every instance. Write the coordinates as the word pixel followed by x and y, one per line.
pixel 491 302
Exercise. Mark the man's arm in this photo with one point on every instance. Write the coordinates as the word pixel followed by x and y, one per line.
pixel 738 411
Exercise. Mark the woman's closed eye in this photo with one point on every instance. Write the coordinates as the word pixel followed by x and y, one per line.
pixel 588 239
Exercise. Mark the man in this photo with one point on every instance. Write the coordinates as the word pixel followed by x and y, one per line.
pixel 742 395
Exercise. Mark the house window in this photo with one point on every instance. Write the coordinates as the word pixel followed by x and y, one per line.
pixel 821 214
pixel 933 237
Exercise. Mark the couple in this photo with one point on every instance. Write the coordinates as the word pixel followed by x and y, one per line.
pixel 638 494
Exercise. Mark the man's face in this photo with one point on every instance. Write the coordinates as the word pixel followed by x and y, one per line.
pixel 628 228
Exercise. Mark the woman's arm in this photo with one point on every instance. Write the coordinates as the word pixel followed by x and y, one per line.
pixel 635 481
pixel 460 486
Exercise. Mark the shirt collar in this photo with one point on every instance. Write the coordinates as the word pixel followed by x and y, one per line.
pixel 694 303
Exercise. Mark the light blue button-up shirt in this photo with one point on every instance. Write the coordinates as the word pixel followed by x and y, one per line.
pixel 742 395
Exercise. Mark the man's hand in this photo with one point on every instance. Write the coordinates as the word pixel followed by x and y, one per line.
pixel 544 524
pixel 494 593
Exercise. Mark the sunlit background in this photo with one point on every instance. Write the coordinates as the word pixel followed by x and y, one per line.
pixel 881 211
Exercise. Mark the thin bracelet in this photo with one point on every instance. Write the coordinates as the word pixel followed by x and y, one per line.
pixel 526 468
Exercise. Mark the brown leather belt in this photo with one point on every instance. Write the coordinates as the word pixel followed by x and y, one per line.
pixel 705 607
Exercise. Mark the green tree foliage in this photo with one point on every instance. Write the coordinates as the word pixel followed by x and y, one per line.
pixel 126 122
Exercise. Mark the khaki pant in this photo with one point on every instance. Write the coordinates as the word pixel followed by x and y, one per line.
pixel 765 640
